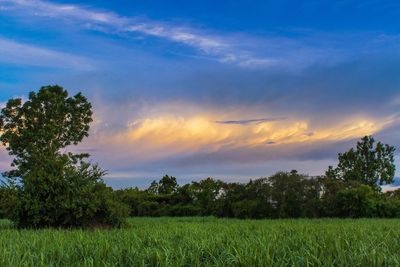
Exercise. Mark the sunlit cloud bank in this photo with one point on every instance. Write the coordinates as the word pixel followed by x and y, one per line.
pixel 202 132
pixel 163 139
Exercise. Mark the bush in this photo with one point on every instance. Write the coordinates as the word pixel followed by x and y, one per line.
pixel 357 202
pixel 184 210
pixel 149 208
pixel 68 197
pixel 246 209
pixel 8 201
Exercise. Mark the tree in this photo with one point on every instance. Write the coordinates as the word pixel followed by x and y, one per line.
pixel 369 164
pixel 53 188
pixel 167 185
pixel 41 126
pixel 251 200
pixel 206 193
pixel 313 189
pixel 287 194
pixel 153 188
pixel 357 202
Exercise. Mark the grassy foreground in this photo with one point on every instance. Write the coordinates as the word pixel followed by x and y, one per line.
pixel 209 242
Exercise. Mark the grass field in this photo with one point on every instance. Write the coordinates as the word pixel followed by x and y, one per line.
pixel 208 242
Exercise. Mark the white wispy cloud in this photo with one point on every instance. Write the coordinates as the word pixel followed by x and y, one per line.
pixel 219 47
pixel 30 55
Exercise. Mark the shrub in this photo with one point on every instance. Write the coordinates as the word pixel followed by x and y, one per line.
pixel 357 202
pixel 76 198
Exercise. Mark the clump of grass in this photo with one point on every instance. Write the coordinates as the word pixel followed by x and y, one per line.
pixel 208 242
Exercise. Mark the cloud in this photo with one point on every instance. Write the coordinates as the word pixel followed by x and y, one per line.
pixel 29 55
pixel 181 135
pixel 226 49
pixel 198 131
pixel 250 121
pixel 274 51
pixel 185 140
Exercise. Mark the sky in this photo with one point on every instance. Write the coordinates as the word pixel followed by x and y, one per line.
pixel 228 89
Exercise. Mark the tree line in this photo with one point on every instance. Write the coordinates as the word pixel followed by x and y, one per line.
pixel 282 195
pixel 49 186
pixel 352 189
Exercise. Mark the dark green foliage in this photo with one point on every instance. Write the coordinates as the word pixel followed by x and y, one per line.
pixel 184 210
pixel 288 194
pixel 132 197
pixel 149 208
pixel 357 202
pixel 330 188
pixel 52 188
pixel 167 185
pixel 248 208
pixel 8 201
pixel 369 164
pixel 37 129
pixel 282 195
pixel 206 193
pixel 153 188
pixel 388 205
pixel 312 202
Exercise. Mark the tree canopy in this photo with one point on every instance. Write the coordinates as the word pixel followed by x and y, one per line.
pixel 53 187
pixel 371 164
pixel 39 127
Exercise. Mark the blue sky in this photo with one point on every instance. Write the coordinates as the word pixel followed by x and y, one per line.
pixel 228 89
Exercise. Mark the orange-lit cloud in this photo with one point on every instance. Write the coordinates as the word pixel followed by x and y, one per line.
pixel 166 133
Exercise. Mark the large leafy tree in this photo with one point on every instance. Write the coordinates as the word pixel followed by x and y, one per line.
pixel 369 163
pixel 54 187
pixel 38 128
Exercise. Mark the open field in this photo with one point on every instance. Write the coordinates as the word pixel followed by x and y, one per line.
pixel 209 241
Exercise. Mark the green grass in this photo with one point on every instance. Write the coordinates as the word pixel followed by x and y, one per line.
pixel 208 242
